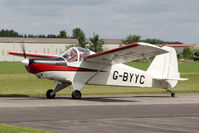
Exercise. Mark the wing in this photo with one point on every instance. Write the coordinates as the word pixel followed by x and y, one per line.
pixel 32 55
pixel 126 53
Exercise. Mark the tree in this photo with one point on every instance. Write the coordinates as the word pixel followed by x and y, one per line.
pixel 52 36
pixel 62 34
pixel 9 33
pixel 158 41
pixel 187 53
pixel 96 43
pixel 131 39
pixel 79 34
pixel 196 53
pixel 82 40
pixel 154 41
pixel 76 32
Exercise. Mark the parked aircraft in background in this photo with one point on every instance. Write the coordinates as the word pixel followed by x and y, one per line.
pixel 80 66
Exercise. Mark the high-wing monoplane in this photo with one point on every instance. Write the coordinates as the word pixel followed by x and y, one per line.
pixel 80 66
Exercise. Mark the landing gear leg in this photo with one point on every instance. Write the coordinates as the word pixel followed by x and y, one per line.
pixel 50 94
pixel 171 92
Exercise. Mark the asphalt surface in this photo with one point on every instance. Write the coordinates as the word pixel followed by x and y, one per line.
pixel 110 114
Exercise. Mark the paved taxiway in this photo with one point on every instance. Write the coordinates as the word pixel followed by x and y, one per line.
pixel 110 114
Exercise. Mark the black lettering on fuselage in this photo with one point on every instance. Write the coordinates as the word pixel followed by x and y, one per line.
pixel 136 77
pixel 115 75
pixel 130 77
pixel 142 77
pixel 125 76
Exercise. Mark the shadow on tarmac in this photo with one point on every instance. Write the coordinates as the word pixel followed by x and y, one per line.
pixel 13 95
pixel 121 98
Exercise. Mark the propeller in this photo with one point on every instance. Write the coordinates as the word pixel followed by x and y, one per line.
pixel 25 61
pixel 24 51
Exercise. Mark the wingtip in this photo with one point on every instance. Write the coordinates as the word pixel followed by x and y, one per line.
pixel 14 53
pixel 148 44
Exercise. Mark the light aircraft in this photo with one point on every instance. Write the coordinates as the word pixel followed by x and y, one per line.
pixel 80 66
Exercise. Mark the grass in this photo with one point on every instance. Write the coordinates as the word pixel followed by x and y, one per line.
pixel 4 128
pixel 15 81
pixel 12 68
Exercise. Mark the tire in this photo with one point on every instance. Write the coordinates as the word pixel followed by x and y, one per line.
pixel 76 94
pixel 49 94
pixel 172 94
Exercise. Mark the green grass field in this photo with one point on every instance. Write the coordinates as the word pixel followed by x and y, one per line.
pixel 16 81
pixel 4 128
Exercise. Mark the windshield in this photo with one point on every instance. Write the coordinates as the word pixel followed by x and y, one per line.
pixel 76 54
pixel 71 55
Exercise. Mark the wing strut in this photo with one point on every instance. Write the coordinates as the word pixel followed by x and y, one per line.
pixel 106 64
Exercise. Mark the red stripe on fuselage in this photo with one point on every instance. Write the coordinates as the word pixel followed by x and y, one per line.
pixel 36 68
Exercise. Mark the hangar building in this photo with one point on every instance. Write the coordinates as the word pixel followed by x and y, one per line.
pixel 55 46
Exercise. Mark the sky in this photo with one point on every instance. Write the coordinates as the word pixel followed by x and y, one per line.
pixel 169 20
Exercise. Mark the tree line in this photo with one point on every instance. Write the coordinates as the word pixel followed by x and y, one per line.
pixel 77 32
pixel 190 53
pixel 95 43
pixel 12 33
pixel 137 38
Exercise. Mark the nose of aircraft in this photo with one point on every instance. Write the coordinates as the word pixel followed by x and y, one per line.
pixel 25 62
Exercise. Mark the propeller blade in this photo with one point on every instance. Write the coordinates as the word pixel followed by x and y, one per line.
pixel 24 51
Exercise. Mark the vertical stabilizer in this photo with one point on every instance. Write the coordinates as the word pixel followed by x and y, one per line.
pixel 165 68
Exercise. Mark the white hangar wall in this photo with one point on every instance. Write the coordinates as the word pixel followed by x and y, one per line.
pixel 55 46
pixel 55 49
pixel 41 45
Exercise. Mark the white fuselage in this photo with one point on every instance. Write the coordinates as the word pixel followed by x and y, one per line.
pixel 115 75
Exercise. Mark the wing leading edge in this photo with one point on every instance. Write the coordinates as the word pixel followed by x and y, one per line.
pixel 126 53
pixel 32 55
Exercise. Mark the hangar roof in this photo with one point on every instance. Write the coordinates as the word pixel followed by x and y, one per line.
pixel 50 40
pixel 70 41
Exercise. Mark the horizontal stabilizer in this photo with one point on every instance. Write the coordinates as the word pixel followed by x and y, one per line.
pixel 164 68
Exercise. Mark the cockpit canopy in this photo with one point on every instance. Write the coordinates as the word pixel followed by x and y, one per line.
pixel 76 54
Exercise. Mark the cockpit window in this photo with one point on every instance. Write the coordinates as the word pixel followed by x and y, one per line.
pixel 71 55
pixel 83 52
pixel 76 54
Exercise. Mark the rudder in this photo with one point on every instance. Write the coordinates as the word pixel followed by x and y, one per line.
pixel 165 68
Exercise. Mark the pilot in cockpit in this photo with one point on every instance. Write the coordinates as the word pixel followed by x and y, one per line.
pixel 73 56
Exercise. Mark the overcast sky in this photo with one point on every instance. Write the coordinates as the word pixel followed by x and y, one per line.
pixel 169 20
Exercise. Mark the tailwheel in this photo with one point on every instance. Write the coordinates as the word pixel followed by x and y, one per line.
pixel 76 94
pixel 171 92
pixel 50 94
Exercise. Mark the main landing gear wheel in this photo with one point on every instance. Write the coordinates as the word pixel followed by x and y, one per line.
pixel 49 94
pixel 173 94
pixel 76 94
